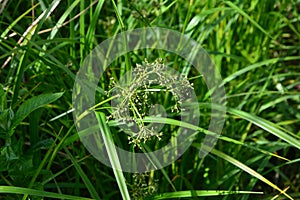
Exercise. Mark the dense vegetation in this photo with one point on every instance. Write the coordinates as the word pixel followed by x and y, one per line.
pixel 255 46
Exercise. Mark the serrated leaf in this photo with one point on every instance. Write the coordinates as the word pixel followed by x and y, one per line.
pixel 32 104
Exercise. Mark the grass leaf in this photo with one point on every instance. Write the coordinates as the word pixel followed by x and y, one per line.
pixel 200 193
pixel 112 153
pixel 247 169
pixel 33 192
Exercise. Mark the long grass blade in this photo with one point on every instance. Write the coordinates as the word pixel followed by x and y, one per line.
pixel 112 153
pixel 243 13
pixel 247 169
pixel 84 177
pixel 200 193
pixel 266 125
pixel 33 192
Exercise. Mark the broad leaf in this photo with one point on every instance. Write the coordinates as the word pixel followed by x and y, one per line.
pixel 6 117
pixel 32 104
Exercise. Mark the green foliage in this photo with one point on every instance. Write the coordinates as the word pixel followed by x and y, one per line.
pixel 32 104
pixel 12 158
pixel 255 46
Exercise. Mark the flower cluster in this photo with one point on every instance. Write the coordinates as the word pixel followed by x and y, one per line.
pixel 137 91
pixel 143 186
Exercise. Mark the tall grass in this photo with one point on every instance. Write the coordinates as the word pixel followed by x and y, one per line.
pixel 254 44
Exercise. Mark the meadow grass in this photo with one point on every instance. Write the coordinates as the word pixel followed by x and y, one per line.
pixel 255 46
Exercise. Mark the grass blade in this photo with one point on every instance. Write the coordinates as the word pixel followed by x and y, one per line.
pixel 266 125
pixel 84 177
pixel 112 153
pixel 4 33
pixel 247 169
pixel 232 5
pixel 256 65
pixel 263 123
pixel 199 193
pixel 26 191
pixel 91 30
